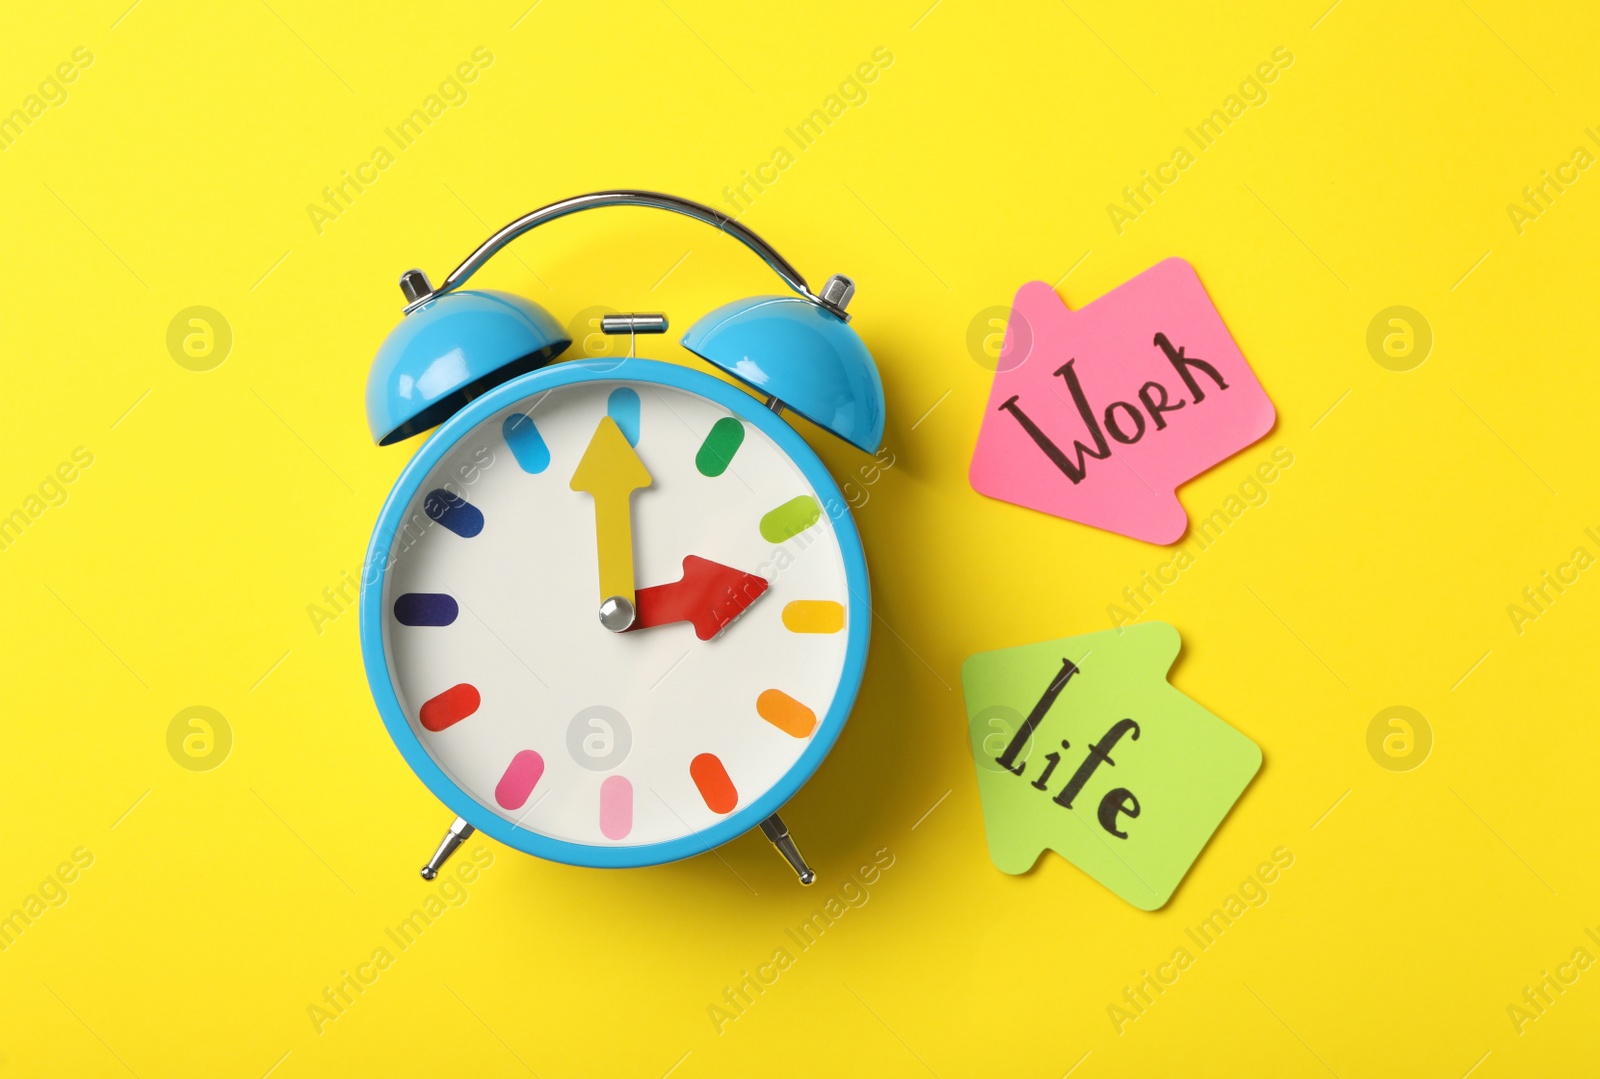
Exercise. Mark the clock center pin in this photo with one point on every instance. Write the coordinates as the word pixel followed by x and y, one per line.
pixel 616 614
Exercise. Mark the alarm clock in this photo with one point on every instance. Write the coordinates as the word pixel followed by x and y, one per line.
pixel 615 612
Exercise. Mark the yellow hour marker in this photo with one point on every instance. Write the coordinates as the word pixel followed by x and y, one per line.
pixel 813 616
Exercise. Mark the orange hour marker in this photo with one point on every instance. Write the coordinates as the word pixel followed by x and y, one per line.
pixel 785 713
pixel 712 779
pixel 813 616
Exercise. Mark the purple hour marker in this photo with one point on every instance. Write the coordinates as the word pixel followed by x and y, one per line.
pixel 454 512
pixel 425 609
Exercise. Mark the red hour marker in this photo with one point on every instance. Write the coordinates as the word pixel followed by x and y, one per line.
pixel 450 707
pixel 712 779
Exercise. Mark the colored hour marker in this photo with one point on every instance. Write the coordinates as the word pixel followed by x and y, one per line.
pixel 450 707
pixel 712 779
pixel 522 775
pixel 527 444
pixel 813 616
pixel 425 609
pixel 616 807
pixel 790 519
pixel 623 406
pixel 785 713
pixel 454 512
pixel 716 452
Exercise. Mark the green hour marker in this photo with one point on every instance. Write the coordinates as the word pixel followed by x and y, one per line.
pixel 716 452
pixel 790 519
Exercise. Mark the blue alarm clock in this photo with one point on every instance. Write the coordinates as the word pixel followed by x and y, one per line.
pixel 615 612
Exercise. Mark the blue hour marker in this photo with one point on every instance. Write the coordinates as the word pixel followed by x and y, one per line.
pixel 425 609
pixel 454 512
pixel 527 444
pixel 623 406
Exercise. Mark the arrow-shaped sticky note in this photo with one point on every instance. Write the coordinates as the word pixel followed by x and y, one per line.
pixel 1082 746
pixel 1098 415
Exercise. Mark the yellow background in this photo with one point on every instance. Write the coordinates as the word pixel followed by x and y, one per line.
pixel 221 904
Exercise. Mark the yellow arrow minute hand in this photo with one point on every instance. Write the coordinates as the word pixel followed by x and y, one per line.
pixel 611 471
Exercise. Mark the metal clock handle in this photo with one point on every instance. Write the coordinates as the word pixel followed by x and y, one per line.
pixel 778 832
pixel 458 834
pixel 773 827
pixel 836 294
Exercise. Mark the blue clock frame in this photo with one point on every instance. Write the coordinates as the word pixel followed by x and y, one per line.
pixel 375 571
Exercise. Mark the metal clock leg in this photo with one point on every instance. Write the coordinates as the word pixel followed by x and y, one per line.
pixel 778 833
pixel 458 834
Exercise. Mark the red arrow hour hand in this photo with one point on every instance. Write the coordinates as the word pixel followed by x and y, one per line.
pixel 709 596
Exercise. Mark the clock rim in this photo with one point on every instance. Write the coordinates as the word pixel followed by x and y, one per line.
pixel 375 573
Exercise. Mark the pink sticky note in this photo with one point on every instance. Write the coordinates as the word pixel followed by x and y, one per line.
pixel 1098 415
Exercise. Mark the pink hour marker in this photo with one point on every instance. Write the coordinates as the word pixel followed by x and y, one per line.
pixel 522 775
pixel 616 807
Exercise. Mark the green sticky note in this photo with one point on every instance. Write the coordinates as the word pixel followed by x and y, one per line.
pixel 1083 746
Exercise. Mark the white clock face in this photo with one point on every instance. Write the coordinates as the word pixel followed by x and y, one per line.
pixel 552 721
